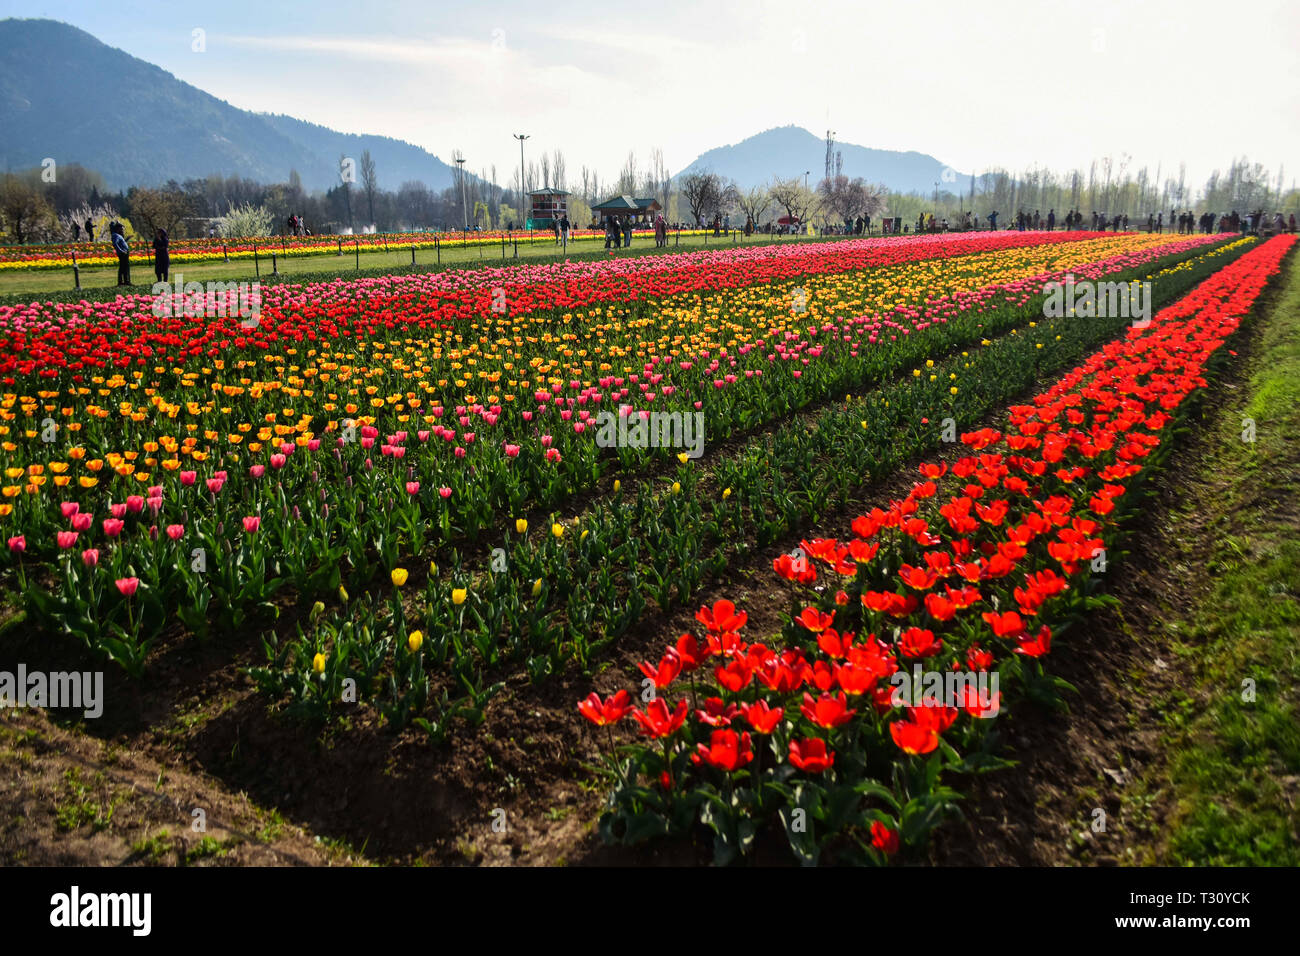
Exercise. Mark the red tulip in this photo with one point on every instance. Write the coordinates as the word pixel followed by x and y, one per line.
pixel 658 721
pixel 883 838
pixel 726 750
pixel 609 711
pixel 827 711
pixel 811 755
pixel 762 717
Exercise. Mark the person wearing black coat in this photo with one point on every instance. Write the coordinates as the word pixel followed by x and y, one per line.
pixel 123 251
pixel 162 259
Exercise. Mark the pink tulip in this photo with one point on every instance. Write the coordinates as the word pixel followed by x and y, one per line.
pixel 252 523
pixel 67 539
pixel 174 531
pixel 257 471
pixel 69 508
pixel 82 521
pixel 445 491
pixel 18 544
pixel 412 487
pixel 112 527
pixel 127 586
pixel 90 557
pixel 188 477
pixel 277 461
pixel 134 503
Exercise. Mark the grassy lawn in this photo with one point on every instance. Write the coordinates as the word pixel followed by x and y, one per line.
pixel 36 281
pixel 1232 727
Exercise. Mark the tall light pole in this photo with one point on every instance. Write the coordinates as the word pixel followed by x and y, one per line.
pixel 522 214
pixel 464 213
pixel 806 172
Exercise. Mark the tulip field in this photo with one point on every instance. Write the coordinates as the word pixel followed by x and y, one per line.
pixel 393 503
pixel 213 249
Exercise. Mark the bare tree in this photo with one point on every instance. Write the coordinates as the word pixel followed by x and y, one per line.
pixel 754 202
pixel 557 170
pixel 791 195
pixel 660 177
pixel 24 211
pixel 850 198
pixel 627 175
pixel 546 171
pixel 703 193
pixel 159 208
pixel 369 182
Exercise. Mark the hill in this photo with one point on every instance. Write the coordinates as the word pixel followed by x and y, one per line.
pixel 54 101
pixel 789 150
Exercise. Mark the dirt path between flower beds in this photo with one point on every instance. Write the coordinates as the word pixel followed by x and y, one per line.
pixel 68 799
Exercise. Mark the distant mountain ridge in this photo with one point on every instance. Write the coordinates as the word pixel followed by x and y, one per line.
pixel 154 127
pixel 788 151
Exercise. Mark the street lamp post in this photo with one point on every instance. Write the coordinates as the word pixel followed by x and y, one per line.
pixel 522 214
pixel 806 173
pixel 464 213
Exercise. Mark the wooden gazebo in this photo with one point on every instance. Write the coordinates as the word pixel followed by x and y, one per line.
pixel 547 207
pixel 626 207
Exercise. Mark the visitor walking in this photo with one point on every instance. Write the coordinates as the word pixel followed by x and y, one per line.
pixel 123 251
pixel 162 259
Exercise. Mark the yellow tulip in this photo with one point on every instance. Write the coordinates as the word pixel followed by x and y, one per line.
pixel 414 640
pixel 399 576
pixel 726 493
pixel 557 529
pixel 521 525
pixel 458 595
pixel 318 663
pixel 537 587
pixel 343 594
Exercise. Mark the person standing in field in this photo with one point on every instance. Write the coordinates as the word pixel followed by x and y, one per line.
pixel 90 230
pixel 161 257
pixel 564 227
pixel 123 251
pixel 76 231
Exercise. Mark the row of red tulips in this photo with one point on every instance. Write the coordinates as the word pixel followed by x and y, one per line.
pixel 835 728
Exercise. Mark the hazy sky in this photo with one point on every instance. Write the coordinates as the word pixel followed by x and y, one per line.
pixel 976 84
